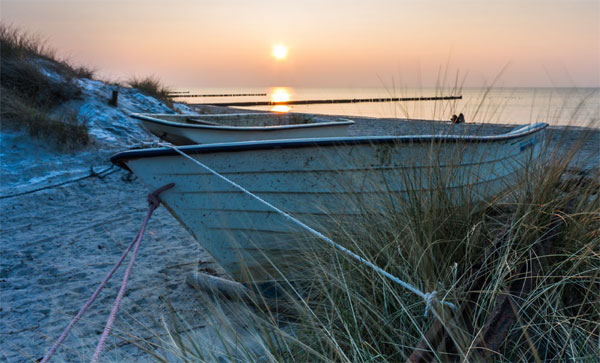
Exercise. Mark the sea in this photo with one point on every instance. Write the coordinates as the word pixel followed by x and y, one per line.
pixel 555 106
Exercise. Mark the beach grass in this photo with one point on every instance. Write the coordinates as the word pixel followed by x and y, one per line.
pixel 152 86
pixel 355 314
pixel 19 44
pixel 30 94
pixel 67 133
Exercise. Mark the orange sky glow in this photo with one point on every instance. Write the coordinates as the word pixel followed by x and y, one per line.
pixel 329 43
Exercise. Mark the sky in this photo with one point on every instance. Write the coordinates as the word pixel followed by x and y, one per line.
pixel 417 43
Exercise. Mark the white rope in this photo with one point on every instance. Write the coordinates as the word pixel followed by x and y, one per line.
pixel 428 297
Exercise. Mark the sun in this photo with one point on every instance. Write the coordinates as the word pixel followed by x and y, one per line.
pixel 280 94
pixel 280 52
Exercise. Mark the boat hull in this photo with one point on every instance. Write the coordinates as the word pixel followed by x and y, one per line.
pixel 323 183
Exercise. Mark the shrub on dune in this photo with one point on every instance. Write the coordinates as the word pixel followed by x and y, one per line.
pixel 152 87
pixel 30 92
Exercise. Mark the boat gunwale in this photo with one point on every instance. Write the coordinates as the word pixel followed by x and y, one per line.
pixel 519 132
pixel 146 117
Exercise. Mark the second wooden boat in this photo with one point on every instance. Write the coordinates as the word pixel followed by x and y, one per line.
pixel 217 128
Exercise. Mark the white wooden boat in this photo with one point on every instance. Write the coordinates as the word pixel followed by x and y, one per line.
pixel 321 182
pixel 234 127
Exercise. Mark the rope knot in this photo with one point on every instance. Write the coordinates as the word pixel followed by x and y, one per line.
pixel 429 299
pixel 153 199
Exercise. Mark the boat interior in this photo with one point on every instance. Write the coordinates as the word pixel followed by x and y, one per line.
pixel 235 119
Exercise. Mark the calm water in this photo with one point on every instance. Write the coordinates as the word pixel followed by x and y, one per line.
pixel 556 106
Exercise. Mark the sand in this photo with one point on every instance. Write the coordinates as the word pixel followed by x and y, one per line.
pixel 57 245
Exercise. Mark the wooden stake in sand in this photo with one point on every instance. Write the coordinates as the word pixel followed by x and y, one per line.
pixel 115 96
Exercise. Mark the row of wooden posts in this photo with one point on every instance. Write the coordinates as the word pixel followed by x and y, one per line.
pixel 181 94
pixel 328 101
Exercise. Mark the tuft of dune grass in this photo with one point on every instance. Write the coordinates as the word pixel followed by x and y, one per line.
pixel 25 79
pixel 152 86
pixel 66 133
pixel 15 43
pixel 29 94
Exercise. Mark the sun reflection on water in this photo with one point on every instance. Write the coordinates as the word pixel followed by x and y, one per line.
pixel 281 108
pixel 281 94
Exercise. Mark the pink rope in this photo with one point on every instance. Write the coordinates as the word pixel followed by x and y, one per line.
pixel 153 202
pixel 88 303
pixel 115 309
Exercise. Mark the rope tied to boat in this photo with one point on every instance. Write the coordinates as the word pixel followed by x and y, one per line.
pixel 428 297
pixel 153 203
pixel 153 200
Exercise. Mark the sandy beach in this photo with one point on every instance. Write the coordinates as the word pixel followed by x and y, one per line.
pixel 59 242
pixel 503 230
